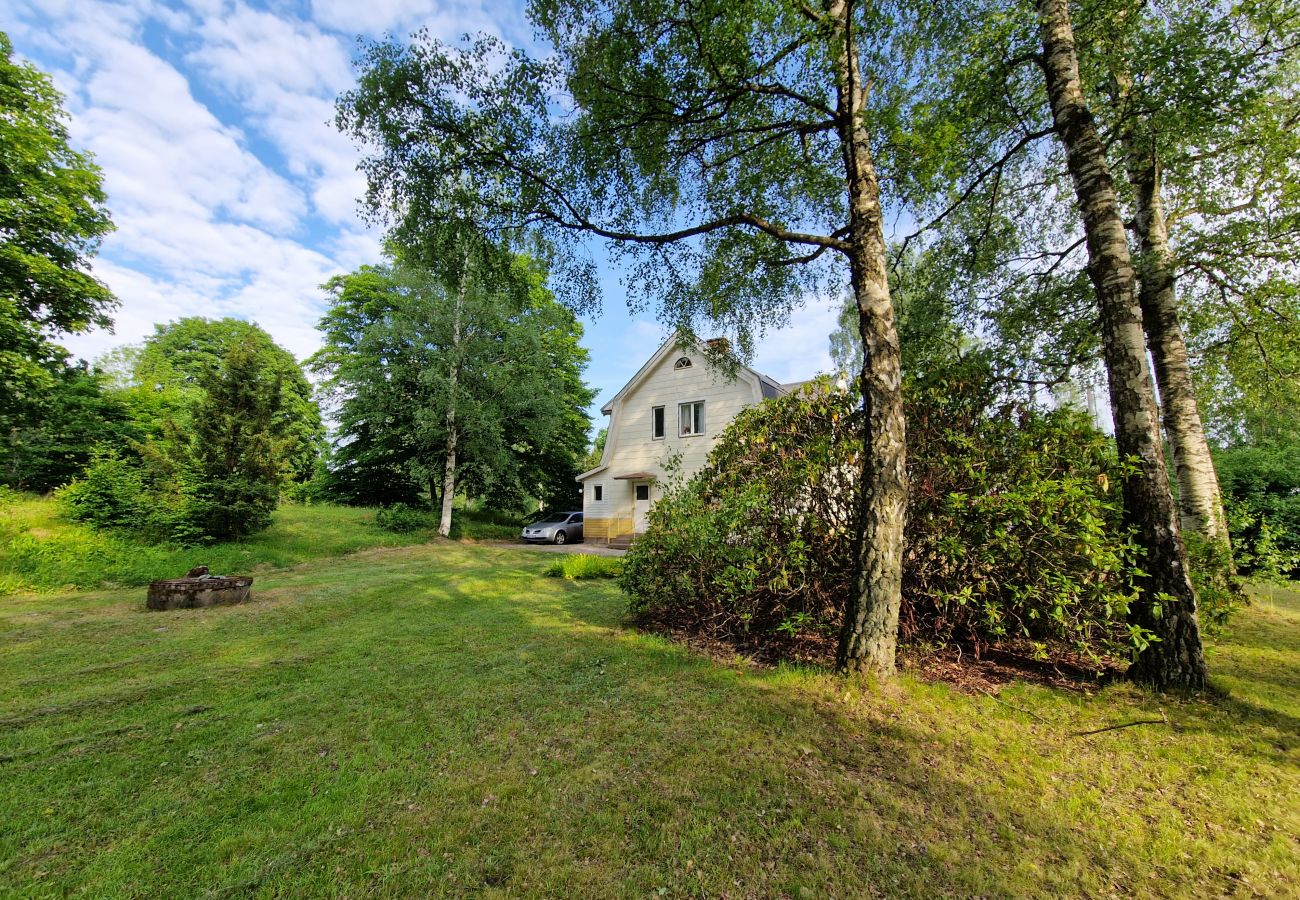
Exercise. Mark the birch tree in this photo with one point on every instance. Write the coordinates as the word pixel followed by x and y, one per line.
pixel 1186 100
pixel 1166 606
pixel 733 154
pixel 1198 97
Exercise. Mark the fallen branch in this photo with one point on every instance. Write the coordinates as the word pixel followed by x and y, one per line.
pixel 1163 720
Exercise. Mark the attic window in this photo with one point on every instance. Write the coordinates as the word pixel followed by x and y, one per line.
pixel 682 363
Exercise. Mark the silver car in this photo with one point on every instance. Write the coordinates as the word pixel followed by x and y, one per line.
pixel 557 528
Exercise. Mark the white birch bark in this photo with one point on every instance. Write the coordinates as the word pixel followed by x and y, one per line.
pixel 1166 604
pixel 868 642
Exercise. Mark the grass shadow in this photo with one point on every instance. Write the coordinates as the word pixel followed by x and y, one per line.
pixel 442 721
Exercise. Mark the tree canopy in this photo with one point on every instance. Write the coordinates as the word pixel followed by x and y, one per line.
pixel 735 155
pixel 174 365
pixel 410 361
pixel 52 217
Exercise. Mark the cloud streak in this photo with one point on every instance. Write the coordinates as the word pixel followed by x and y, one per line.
pixel 233 193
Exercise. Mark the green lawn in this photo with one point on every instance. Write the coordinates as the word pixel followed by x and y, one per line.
pixel 41 552
pixel 445 720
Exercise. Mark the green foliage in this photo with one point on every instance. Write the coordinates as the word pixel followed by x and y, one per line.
pixel 41 551
pixel 220 480
pixel 1261 491
pixel 580 566
pixel 703 139
pixel 167 377
pixel 592 459
pixel 144 500
pixel 109 494
pixel 235 455
pixel 401 518
pixel 51 445
pixel 1212 566
pixel 405 350
pixel 52 213
pixel 1011 534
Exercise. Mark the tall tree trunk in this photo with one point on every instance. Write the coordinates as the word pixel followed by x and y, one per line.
pixel 1199 499
pixel 1166 604
pixel 869 639
pixel 453 375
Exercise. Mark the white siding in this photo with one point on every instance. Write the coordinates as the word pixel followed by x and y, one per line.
pixel 630 447
pixel 590 506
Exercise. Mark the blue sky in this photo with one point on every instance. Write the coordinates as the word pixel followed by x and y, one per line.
pixel 232 193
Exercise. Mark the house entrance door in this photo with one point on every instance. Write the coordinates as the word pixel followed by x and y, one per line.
pixel 642 507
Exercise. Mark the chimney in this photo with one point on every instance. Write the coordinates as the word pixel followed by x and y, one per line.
pixel 719 345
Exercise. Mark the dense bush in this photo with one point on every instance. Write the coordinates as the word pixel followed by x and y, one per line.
pixel 1261 491
pixel 401 518
pixel 109 493
pixel 147 498
pixel 1012 529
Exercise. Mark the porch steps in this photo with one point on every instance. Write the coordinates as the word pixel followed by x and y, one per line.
pixel 622 542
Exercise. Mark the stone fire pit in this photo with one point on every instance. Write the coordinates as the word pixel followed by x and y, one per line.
pixel 204 590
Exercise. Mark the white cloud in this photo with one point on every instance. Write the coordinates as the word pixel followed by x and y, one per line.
pixel 285 75
pixel 250 49
pixel 208 223
pixel 443 19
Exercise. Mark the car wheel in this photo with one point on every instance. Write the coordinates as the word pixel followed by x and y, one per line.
pixel 559 537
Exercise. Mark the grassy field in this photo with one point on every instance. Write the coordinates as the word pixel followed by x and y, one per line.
pixel 443 720
pixel 41 552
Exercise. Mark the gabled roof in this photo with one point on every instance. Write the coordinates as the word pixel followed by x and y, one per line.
pixel 769 386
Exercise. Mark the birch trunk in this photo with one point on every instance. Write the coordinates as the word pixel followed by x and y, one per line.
pixel 1166 603
pixel 869 639
pixel 453 374
pixel 1199 499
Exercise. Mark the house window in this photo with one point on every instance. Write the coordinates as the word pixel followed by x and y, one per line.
pixel 692 418
pixel 657 423
pixel 643 492
pixel 600 493
pixel 682 363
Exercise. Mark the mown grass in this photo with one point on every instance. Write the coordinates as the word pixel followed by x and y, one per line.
pixel 441 720
pixel 579 566
pixel 41 552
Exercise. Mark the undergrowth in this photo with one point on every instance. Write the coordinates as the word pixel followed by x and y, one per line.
pixel 585 565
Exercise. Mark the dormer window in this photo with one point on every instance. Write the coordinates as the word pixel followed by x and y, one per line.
pixel 682 363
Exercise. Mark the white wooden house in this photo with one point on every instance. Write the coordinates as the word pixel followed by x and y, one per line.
pixel 676 405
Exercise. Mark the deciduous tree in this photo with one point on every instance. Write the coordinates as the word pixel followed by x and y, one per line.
pixel 52 218
pixel 1167 605
pixel 450 381
pixel 727 150
pixel 180 357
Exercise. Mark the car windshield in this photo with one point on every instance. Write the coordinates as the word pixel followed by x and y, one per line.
pixel 552 520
